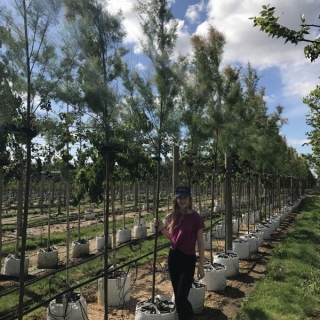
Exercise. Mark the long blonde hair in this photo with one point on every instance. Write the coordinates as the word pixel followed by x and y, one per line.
pixel 174 214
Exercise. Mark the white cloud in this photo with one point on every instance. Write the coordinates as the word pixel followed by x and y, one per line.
pixel 183 45
pixel 299 77
pixel 270 98
pixel 140 66
pixel 293 111
pixel 247 43
pixel 193 12
pixel 244 42
pixel 170 2
pixel 297 142
pixel 130 22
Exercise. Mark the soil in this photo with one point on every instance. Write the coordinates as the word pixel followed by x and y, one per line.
pixel 220 305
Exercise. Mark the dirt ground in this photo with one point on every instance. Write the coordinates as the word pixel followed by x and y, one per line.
pixel 220 305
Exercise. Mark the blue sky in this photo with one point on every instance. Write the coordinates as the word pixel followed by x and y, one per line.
pixel 285 73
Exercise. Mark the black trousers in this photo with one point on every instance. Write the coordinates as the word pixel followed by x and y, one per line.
pixel 181 270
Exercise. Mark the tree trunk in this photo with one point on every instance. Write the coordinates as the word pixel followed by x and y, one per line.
pixel 156 210
pixel 114 231
pixel 211 214
pixel 228 202
pixel 106 234
pixel 19 210
pixel 41 203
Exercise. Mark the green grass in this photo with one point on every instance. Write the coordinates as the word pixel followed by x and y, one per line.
pixel 290 290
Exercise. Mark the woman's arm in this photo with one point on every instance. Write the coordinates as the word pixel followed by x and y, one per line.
pixel 166 233
pixel 201 253
pixel 159 225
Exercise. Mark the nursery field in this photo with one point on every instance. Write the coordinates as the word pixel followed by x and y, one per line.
pixel 221 305
pixel 218 305
pixel 82 273
pixel 94 144
pixel 51 280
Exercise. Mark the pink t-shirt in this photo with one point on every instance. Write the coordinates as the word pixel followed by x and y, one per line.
pixel 184 236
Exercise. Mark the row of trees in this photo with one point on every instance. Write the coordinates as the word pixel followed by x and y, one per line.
pixel 64 77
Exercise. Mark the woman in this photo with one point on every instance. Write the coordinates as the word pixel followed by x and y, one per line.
pixel 185 229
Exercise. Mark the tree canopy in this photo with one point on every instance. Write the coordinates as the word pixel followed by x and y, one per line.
pixel 81 91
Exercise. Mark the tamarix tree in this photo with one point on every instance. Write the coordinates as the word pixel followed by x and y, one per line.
pixel 158 90
pixel 100 35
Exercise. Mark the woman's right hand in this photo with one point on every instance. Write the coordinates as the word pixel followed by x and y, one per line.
pixel 158 224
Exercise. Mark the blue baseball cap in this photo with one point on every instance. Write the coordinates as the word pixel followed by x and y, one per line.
pixel 182 191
